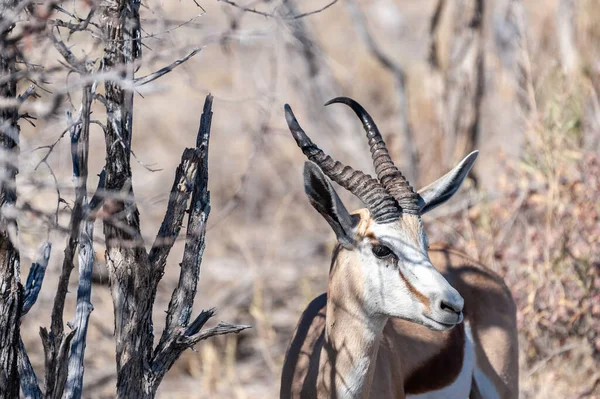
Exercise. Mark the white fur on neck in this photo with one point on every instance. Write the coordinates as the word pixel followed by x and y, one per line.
pixel 369 334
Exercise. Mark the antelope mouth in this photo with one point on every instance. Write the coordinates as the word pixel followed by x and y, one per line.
pixel 445 324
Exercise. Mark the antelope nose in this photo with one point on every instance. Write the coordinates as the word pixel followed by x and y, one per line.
pixel 451 303
pixel 451 306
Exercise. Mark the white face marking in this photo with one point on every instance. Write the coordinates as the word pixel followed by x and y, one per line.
pixel 411 288
pixel 461 387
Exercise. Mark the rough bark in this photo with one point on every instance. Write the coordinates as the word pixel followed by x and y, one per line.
pixel 180 307
pixel 127 261
pixel 11 291
pixel 134 274
pixel 28 379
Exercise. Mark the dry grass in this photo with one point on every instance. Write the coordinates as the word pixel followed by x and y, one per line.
pixel 535 219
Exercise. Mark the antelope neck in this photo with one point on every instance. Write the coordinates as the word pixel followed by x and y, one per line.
pixel 349 350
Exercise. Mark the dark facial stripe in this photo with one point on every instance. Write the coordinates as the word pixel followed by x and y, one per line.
pixel 420 297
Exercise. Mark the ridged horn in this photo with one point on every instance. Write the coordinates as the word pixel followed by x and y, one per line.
pixel 381 204
pixel 388 174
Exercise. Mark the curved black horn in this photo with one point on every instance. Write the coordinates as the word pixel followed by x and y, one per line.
pixel 381 204
pixel 388 174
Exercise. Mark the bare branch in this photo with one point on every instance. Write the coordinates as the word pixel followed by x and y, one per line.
pixel 98 197
pixel 541 363
pixel 306 14
pixel 221 329
pixel 465 81
pixel 434 24
pixel 59 372
pixel 182 300
pixel 79 154
pixel 268 15
pixel 30 92
pixel 179 334
pixel 69 57
pixel 144 165
pixel 28 379
pixel 80 150
pixel 84 307
pixel 411 167
pixel 180 193
pixel 163 71
pixel 36 277
pixel 182 338
pixel 81 25
pixel 50 147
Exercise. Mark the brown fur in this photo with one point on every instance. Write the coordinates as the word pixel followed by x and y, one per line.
pixel 409 355
pixel 445 365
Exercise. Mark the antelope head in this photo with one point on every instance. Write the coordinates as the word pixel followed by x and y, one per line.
pixel 381 266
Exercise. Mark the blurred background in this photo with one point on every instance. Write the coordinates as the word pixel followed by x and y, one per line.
pixel 517 79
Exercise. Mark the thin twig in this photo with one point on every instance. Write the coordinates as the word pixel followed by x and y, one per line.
pixel 81 25
pixel 163 71
pixel 268 15
pixel 60 9
pixel 29 92
pixel 50 147
pixel 69 57
pixel 182 338
pixel 536 367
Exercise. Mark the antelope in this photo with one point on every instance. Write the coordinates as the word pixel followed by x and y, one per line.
pixel 393 325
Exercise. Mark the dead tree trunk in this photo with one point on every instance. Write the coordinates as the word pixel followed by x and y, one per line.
pixel 11 291
pixel 464 83
pixel 133 273
pixel 126 258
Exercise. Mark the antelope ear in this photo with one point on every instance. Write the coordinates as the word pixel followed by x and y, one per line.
pixel 446 186
pixel 325 200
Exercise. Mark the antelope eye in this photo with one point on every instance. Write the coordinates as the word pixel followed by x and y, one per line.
pixel 381 251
